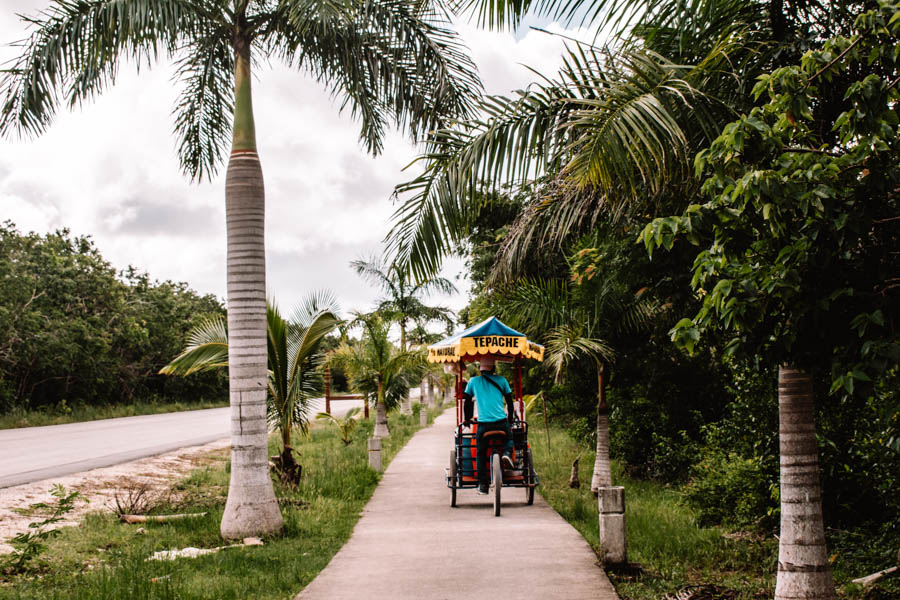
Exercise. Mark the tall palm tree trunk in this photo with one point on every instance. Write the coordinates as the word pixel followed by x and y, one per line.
pixel 405 406
pixel 251 508
pixel 381 425
pixel 601 476
pixel 803 570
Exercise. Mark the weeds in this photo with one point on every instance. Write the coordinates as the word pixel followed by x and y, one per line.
pixel 136 499
pixel 30 544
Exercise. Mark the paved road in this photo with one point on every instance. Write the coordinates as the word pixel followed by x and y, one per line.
pixel 409 543
pixel 35 453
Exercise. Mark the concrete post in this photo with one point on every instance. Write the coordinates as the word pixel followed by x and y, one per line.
pixel 375 453
pixel 423 415
pixel 612 525
pixel 430 390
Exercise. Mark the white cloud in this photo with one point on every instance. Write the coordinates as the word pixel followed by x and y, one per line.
pixel 109 170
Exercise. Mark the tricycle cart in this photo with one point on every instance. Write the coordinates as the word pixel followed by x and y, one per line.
pixel 490 338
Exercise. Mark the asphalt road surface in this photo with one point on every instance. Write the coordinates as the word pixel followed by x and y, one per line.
pixel 35 453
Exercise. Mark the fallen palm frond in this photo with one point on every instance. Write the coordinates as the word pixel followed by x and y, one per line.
pixel 132 519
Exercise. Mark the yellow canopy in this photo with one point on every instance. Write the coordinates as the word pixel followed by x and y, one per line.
pixel 490 337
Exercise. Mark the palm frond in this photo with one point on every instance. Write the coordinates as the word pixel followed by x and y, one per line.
pixel 76 47
pixel 613 126
pixel 387 60
pixel 568 342
pixel 207 349
pixel 204 109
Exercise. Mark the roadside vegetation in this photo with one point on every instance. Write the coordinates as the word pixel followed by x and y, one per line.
pixel 80 341
pixel 106 558
pixel 674 549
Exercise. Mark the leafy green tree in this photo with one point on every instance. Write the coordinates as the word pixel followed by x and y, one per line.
pixel 799 253
pixel 293 348
pixel 74 333
pixel 377 370
pixel 388 60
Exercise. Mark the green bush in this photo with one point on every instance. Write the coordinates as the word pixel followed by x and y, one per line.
pixel 729 489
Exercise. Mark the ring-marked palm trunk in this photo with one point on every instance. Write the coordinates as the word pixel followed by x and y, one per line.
pixel 381 424
pixel 251 508
pixel 405 404
pixel 803 569
pixel 601 476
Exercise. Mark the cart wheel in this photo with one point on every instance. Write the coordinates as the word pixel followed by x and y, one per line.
pixel 498 482
pixel 453 478
pixel 529 478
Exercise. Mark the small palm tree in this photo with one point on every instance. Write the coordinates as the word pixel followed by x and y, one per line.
pixel 346 426
pixel 567 343
pixel 377 370
pixel 293 358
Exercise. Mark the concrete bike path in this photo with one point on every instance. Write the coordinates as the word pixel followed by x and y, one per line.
pixel 410 544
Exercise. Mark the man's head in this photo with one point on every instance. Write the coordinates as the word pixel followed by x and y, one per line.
pixel 486 364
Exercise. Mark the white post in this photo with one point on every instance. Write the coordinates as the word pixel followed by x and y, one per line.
pixel 375 453
pixel 612 525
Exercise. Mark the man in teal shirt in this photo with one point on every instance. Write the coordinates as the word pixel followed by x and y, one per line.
pixel 489 392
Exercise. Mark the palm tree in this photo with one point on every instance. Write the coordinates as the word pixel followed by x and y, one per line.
pixel 403 301
pixel 376 369
pixel 565 344
pixel 293 358
pixel 387 59
pixel 571 319
pixel 346 425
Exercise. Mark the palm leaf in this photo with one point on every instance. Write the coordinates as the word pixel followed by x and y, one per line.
pixel 76 47
pixel 207 349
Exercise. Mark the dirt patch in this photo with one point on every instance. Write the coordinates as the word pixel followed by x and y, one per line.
pixel 101 485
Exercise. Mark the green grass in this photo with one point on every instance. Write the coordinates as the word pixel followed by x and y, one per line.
pixel 37 418
pixel 106 559
pixel 674 551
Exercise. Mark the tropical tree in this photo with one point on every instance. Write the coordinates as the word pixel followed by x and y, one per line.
pixel 579 320
pixel 377 370
pixel 293 358
pixel 386 59
pixel 615 133
pixel 403 301
pixel 403 296
pixel 798 259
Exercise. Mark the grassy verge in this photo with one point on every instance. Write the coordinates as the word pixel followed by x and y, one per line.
pixel 664 538
pixel 106 559
pixel 38 418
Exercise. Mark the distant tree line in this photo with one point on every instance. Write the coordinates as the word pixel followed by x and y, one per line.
pixel 74 332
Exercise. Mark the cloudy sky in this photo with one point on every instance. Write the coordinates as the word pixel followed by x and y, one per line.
pixel 109 170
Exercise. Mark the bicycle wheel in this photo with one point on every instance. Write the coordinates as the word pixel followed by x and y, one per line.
pixel 453 477
pixel 498 482
pixel 529 478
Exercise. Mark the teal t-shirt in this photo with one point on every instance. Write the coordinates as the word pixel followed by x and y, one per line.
pixel 488 398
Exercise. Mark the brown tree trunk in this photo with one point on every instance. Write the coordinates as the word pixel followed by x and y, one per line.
pixel 803 569
pixel 381 424
pixel 602 476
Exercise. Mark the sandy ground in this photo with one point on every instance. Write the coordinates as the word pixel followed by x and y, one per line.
pixel 101 485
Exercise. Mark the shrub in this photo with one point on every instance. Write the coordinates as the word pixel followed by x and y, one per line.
pixel 735 491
